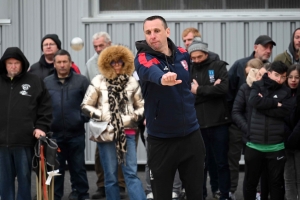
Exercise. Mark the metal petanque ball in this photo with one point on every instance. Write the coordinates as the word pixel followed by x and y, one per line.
pixel 77 43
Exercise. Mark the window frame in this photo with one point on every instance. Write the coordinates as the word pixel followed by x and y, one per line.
pixel 215 15
pixel 5 22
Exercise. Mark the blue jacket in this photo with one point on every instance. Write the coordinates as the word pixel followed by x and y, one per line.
pixel 68 120
pixel 169 111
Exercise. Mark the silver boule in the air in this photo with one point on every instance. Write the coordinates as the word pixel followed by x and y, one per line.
pixel 77 43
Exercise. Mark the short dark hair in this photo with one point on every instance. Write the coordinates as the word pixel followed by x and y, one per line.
pixel 62 52
pixel 154 17
pixel 278 66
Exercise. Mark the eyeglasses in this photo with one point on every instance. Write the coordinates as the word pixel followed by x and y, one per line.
pixel 49 44
pixel 113 63
pixel 277 75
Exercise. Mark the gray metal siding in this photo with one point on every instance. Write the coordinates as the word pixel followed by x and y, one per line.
pixel 32 19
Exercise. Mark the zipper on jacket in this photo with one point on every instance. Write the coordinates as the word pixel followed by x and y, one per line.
pixel 182 100
pixel 167 63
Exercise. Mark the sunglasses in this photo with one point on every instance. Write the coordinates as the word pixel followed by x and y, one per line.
pixel 113 63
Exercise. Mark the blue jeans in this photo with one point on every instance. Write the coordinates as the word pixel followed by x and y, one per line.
pixel 15 162
pixel 109 161
pixel 72 151
pixel 217 139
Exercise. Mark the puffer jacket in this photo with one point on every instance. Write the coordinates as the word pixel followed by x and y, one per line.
pixel 95 103
pixel 240 110
pixel 266 119
pixel 236 78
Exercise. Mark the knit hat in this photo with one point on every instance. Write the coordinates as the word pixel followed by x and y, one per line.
pixel 264 39
pixel 53 37
pixel 198 45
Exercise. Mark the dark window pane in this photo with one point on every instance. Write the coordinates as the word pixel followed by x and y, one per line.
pixel 245 4
pixel 203 4
pixel 284 4
pixel 123 5
pixel 118 5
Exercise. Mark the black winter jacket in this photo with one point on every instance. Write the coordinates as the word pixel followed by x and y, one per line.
pixel 236 78
pixel 41 68
pixel 240 110
pixel 292 129
pixel 211 105
pixel 266 119
pixel 25 104
pixel 68 120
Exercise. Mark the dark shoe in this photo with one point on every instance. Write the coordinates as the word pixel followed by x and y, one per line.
pixel 34 198
pixel 100 193
pixel 123 194
pixel 73 195
pixel 182 195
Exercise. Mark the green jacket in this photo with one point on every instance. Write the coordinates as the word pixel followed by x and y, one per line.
pixel 285 58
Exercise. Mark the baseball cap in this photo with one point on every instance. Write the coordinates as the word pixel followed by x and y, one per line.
pixel 264 39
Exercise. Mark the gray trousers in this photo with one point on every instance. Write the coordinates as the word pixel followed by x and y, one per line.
pixel 292 174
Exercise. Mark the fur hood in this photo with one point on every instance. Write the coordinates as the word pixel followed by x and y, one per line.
pixel 115 53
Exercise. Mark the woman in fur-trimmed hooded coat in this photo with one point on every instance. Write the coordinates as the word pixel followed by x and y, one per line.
pixel 115 96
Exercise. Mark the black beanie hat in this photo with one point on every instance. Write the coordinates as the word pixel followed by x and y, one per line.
pixel 53 37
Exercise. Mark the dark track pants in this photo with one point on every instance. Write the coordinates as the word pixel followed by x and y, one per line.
pixel 256 162
pixel 165 156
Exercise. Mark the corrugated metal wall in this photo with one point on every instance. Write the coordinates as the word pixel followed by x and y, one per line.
pixel 31 20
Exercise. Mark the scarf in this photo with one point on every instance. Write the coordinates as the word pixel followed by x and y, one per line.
pixel 118 99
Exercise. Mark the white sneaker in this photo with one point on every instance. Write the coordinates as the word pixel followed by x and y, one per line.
pixel 150 196
pixel 175 195
pixel 232 196
pixel 257 196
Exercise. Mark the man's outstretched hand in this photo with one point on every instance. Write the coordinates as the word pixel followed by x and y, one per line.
pixel 169 79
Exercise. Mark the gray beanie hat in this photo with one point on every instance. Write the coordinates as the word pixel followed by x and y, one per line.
pixel 198 45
